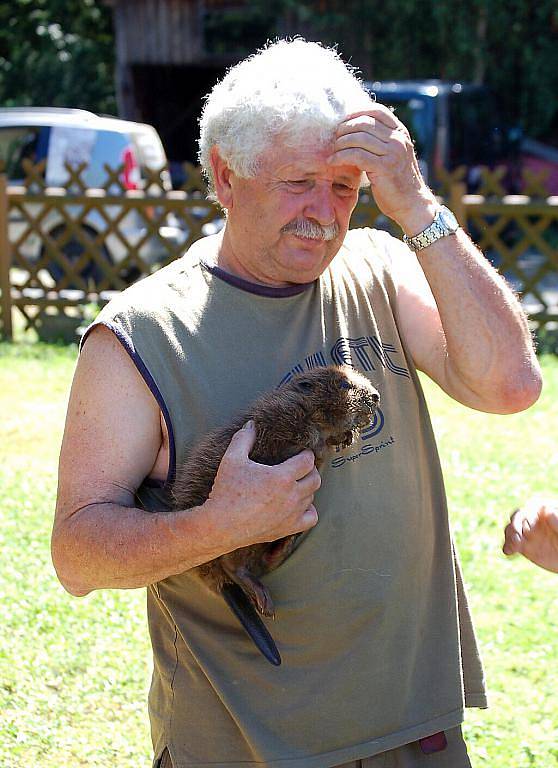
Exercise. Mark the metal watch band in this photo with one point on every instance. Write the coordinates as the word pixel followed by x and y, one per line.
pixel 444 224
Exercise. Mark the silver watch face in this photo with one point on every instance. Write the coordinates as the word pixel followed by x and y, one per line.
pixel 447 219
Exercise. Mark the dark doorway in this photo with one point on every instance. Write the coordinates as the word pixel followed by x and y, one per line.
pixel 170 98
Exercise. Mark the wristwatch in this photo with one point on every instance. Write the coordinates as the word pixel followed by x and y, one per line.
pixel 444 224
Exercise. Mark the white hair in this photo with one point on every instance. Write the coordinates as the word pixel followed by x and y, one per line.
pixel 292 88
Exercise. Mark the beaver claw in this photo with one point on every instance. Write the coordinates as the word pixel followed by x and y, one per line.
pixel 258 594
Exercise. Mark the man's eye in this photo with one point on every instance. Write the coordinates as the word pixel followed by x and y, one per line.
pixel 345 189
pixel 300 183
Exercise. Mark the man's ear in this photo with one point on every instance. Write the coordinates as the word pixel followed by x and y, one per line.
pixel 221 178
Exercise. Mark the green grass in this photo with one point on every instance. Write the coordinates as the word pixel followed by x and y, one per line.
pixel 492 464
pixel 74 674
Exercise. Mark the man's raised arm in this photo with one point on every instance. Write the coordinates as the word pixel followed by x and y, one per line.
pixel 463 325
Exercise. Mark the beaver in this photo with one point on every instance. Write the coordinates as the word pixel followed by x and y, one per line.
pixel 321 409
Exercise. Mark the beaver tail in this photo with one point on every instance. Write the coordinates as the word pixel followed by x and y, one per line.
pixel 245 612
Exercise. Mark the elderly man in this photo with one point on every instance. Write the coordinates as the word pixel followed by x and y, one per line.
pixel 379 656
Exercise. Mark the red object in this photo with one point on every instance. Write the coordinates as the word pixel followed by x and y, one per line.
pixel 130 174
pixel 435 743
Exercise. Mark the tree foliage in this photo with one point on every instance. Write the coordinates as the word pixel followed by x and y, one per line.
pixel 57 53
pixel 511 45
pixel 61 52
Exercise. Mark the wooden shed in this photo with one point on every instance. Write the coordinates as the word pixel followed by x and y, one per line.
pixel 169 53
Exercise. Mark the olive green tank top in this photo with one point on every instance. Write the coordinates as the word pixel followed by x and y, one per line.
pixel 372 622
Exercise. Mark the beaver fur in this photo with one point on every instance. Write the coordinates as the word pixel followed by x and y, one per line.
pixel 320 410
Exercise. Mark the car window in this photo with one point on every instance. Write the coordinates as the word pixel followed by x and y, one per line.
pixel 76 146
pixel 475 137
pixel 18 143
pixel 64 145
pixel 68 146
pixel 110 149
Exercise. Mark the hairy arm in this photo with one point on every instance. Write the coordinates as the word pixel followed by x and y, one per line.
pixel 112 440
pixel 464 326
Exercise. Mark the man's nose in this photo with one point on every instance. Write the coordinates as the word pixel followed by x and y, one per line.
pixel 320 205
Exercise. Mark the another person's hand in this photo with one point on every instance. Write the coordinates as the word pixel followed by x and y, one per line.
pixel 380 145
pixel 533 533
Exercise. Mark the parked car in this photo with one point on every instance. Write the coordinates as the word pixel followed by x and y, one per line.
pixel 73 136
pixel 453 124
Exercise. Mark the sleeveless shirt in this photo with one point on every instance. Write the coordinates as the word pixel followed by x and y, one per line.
pixel 372 621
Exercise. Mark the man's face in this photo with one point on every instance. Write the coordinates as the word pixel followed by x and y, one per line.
pixel 286 224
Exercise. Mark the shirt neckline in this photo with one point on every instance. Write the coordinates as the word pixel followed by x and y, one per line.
pixel 270 291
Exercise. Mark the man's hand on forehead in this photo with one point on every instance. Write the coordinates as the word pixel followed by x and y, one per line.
pixel 370 131
pixel 377 143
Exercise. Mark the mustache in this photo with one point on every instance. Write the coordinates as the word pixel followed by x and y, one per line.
pixel 311 229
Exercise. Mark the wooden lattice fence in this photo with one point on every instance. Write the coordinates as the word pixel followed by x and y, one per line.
pixel 520 237
pixel 65 251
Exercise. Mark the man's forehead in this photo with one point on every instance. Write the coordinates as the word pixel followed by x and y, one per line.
pixel 306 161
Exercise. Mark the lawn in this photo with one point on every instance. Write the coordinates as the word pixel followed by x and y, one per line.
pixel 74 673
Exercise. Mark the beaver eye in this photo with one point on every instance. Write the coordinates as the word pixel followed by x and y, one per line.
pixel 305 386
pixel 344 384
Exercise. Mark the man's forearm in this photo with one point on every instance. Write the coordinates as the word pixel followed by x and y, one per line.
pixel 488 344
pixel 111 546
pixel 99 542
pixel 486 359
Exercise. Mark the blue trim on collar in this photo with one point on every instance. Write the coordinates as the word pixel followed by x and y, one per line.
pixel 270 291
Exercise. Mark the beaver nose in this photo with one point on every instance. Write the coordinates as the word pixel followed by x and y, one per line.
pixel 375 398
